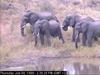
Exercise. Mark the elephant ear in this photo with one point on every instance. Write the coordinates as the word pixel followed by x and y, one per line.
pixel 65 22
pixel 24 20
pixel 33 17
pixel 76 18
pixel 84 27
pixel 72 20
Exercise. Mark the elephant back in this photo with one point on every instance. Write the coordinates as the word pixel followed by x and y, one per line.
pixel 54 23
pixel 42 23
pixel 87 18
pixel 28 13
pixel 46 15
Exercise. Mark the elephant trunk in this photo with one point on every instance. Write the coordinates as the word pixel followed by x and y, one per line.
pixel 22 30
pixel 76 39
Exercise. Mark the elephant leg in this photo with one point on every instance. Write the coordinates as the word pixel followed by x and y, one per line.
pixel 42 39
pixel 89 40
pixel 63 41
pixel 84 38
pixel 33 30
pixel 48 36
pixel 35 40
pixel 61 36
pixel 35 34
pixel 73 36
pixel 48 39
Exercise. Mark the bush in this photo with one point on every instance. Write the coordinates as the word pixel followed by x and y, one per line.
pixel 64 1
pixel 93 3
pixel 45 6
pixel 25 3
pixel 76 3
pixel 6 6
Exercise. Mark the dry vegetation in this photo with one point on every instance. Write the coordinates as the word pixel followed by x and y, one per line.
pixel 15 47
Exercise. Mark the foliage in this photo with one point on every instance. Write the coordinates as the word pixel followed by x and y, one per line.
pixel 45 6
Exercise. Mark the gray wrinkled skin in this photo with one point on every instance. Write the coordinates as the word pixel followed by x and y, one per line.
pixel 72 20
pixel 49 29
pixel 89 30
pixel 31 17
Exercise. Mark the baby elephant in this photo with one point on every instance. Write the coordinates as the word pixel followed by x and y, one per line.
pixel 47 28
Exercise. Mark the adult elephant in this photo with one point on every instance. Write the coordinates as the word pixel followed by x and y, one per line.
pixel 32 17
pixel 89 31
pixel 72 20
pixel 47 28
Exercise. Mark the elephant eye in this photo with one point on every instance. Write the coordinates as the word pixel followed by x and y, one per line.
pixel 26 20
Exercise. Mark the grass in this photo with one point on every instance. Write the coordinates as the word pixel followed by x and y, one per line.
pixel 14 46
pixel 20 49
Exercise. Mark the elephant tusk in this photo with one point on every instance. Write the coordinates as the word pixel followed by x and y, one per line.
pixel 61 26
pixel 23 26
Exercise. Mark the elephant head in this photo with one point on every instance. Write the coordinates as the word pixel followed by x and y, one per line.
pixel 29 17
pixel 66 23
pixel 70 21
pixel 47 15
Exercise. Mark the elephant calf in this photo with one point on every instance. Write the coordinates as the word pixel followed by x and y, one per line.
pixel 48 29
pixel 89 31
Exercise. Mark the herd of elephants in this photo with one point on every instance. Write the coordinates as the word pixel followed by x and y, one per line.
pixel 47 24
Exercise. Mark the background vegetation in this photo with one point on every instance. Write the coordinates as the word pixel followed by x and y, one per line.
pixel 16 49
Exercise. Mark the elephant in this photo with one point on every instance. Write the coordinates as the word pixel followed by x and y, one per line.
pixel 31 17
pixel 49 29
pixel 72 20
pixel 89 30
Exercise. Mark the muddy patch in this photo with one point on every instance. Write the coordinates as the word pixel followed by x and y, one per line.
pixel 56 62
pixel 72 65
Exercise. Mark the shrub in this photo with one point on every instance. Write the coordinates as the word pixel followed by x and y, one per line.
pixel 45 6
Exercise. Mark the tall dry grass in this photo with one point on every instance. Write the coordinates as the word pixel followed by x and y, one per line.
pixel 14 46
